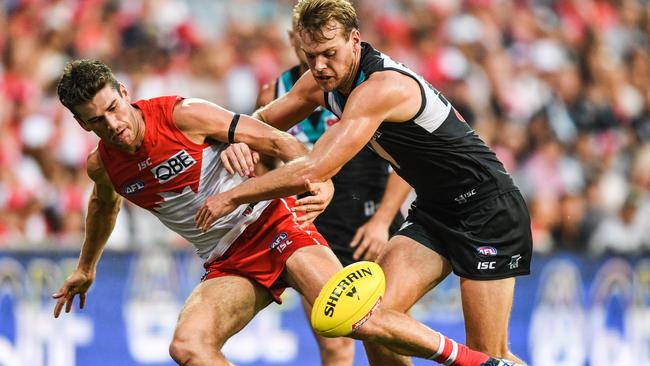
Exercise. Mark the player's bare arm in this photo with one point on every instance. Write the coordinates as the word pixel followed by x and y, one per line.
pixel 296 105
pixel 201 120
pixel 239 158
pixel 381 98
pixel 103 208
pixel 282 113
pixel 377 100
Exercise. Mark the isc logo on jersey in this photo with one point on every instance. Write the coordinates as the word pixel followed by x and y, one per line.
pixel 172 167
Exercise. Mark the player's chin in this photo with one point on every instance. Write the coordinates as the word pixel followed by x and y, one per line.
pixel 327 85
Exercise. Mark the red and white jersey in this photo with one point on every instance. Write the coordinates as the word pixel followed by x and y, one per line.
pixel 172 177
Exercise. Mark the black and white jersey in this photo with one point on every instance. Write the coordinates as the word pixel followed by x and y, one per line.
pixel 436 151
pixel 359 185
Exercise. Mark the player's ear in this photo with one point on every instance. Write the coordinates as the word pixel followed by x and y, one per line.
pixel 355 36
pixel 125 93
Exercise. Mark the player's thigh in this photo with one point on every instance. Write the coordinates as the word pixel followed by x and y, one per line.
pixel 486 307
pixel 411 270
pixel 218 308
pixel 308 269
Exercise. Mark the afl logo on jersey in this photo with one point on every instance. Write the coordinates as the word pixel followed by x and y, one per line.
pixel 133 187
pixel 173 166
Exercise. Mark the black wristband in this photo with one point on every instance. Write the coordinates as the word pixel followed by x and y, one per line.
pixel 231 130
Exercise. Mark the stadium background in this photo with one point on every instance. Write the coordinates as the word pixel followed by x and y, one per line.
pixel 559 89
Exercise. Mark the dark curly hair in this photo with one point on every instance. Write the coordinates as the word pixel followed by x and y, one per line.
pixel 81 80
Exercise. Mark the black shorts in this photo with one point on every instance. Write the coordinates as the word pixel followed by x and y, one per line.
pixel 485 240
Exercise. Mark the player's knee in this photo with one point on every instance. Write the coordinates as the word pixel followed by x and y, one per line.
pixel 337 351
pixel 340 345
pixel 181 351
pixel 188 350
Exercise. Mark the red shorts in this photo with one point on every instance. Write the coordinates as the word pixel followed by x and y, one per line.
pixel 261 251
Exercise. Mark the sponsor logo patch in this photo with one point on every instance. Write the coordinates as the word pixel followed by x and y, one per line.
pixel 486 265
pixel 133 187
pixel 486 251
pixel 172 167
pixel 280 242
pixel 144 164
pixel 463 197
pixel 514 261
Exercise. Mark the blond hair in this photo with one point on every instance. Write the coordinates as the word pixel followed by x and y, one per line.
pixel 312 16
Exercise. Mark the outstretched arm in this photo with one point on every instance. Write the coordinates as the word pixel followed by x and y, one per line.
pixel 294 106
pixel 103 208
pixel 201 120
pixel 373 102
pixel 282 113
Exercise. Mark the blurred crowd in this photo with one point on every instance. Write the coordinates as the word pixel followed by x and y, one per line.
pixel 559 89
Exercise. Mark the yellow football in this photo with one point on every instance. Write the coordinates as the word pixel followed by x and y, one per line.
pixel 348 299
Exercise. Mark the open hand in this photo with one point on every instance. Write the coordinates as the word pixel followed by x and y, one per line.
pixel 370 240
pixel 312 206
pixel 76 284
pixel 215 207
pixel 238 157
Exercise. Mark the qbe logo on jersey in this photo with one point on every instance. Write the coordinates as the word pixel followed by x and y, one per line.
pixel 172 167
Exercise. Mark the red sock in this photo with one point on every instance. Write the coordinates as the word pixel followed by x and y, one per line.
pixel 451 353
